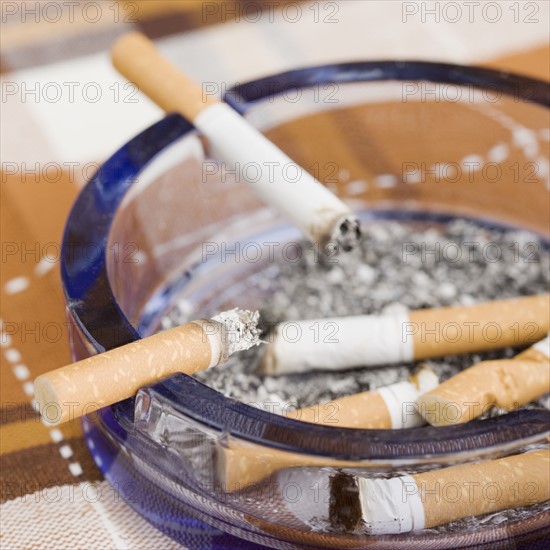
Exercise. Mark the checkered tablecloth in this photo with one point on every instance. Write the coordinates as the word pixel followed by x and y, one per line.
pixel 64 110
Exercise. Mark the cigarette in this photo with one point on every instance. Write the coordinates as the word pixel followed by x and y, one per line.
pixel 368 340
pixel 429 499
pixel 279 181
pixel 93 383
pixel 504 383
pixel 389 407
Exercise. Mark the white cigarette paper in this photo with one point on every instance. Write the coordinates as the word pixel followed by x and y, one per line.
pixel 400 398
pixel 277 179
pixel 384 511
pixel 338 343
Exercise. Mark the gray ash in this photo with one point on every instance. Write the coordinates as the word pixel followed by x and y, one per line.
pixel 396 266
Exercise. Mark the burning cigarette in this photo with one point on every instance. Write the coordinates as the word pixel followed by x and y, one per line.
pixel 104 379
pixel 281 183
pixel 389 407
pixel 505 383
pixel 425 500
pixel 367 340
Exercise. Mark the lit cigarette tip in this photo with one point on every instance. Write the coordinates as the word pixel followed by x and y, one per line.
pixel 347 232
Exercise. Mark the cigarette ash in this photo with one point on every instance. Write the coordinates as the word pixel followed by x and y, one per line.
pixel 395 266
pixel 241 327
pixel 347 233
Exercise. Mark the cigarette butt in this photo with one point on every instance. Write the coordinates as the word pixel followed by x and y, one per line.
pixel 505 383
pixel 281 183
pixel 104 379
pixel 429 499
pixel 495 481
pixel 369 340
pixel 385 408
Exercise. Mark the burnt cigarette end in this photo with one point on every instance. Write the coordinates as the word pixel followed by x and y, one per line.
pixel 347 233
pixel 344 506
pixel 241 329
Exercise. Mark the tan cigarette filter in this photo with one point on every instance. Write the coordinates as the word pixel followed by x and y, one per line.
pixel 100 380
pixel 482 327
pixel 136 57
pixel 475 489
pixel 240 465
pixel 505 383
pixel 425 500
pixel 366 410
pixel 104 379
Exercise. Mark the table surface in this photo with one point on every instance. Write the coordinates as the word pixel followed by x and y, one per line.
pixel 64 110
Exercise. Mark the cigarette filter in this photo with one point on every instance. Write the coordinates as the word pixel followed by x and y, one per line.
pixel 367 340
pixel 425 500
pixel 104 379
pixel 278 180
pixel 393 406
pixel 505 383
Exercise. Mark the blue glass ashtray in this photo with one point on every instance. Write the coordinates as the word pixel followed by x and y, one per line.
pixel 371 131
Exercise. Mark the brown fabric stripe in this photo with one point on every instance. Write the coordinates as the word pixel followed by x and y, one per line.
pixel 29 431
pixel 31 43
pixel 61 47
pixel 30 470
pixel 17 412
pixel 19 436
pixel 169 23
pixel 174 17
